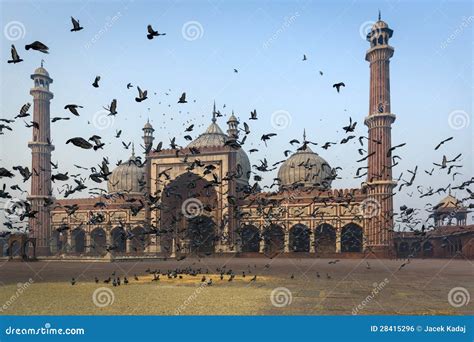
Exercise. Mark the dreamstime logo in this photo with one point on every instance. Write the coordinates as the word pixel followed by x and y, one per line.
pixel 459 296
pixel 192 207
pixel 15 208
pixel 109 22
pixel 101 120
pixel 192 30
pixel 14 30
pixel 103 297
pixel 369 208
pixel 365 28
pixel 21 287
pixel 281 119
pixel 190 299
pixel 280 297
pixel 287 22
pixel 458 119
pixel 377 287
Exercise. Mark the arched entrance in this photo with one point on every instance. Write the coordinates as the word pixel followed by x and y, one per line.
pixel 299 238
pixel 250 237
pixel 187 204
pixel 274 239
pixel 137 242
pixel 415 249
pixel 325 239
pixel 119 240
pixel 56 242
pixel 403 250
pixel 78 239
pixel 427 249
pixel 15 249
pixel 201 234
pixel 351 238
pixel 98 242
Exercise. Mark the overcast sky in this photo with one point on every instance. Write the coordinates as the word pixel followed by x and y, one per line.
pixel 431 77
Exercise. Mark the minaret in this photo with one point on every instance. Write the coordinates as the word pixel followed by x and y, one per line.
pixel 379 219
pixel 233 127
pixel 41 147
pixel 148 142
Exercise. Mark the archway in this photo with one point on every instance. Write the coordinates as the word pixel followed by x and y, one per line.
pixel 415 249
pixel 201 234
pixel 98 241
pixel 325 239
pixel 119 240
pixel 427 249
pixel 351 238
pixel 137 242
pixel 274 239
pixel 30 250
pixel 250 237
pixel 299 238
pixel 56 242
pixel 15 249
pixel 78 239
pixel 186 203
pixel 403 249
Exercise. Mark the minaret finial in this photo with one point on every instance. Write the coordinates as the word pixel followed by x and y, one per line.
pixel 133 150
pixel 304 134
pixel 42 62
pixel 214 112
pixel 380 15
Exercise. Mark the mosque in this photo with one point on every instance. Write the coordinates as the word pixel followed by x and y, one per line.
pixel 205 199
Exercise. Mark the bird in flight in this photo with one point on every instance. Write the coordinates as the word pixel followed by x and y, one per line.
pixel 96 82
pixel 152 33
pixel 15 57
pixel 142 95
pixel 338 86
pixel 73 108
pixel 112 108
pixel 304 58
pixel 182 99
pixel 76 27
pixel 38 46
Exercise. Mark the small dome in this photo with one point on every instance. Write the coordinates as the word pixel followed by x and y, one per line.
pixel 379 24
pixel 41 71
pixel 148 125
pixel 215 137
pixel 127 177
pixel 232 118
pixel 305 168
pixel 448 202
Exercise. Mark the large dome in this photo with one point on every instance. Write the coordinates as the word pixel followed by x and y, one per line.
pixel 215 137
pixel 305 168
pixel 127 177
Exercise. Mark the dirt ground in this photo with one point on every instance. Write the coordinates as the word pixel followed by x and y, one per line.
pixel 283 286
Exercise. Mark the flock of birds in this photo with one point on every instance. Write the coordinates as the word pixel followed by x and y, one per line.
pixel 271 209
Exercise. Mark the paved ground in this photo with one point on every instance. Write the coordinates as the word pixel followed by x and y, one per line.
pixel 345 287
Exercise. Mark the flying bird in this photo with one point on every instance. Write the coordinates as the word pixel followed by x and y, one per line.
pixel 350 127
pixel 442 142
pixel 24 111
pixel 112 108
pixel 73 108
pixel 152 33
pixel 182 99
pixel 338 86
pixel 253 115
pixel 142 95
pixel 15 57
pixel 80 142
pixel 96 82
pixel 304 58
pixel 76 27
pixel 38 46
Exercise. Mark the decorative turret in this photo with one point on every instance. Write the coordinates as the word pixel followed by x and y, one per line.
pixel 233 124
pixel 148 135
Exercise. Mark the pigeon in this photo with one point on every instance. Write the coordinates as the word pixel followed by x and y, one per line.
pixel 266 137
pixel 304 58
pixel 73 281
pixel 73 108
pixel 76 27
pixel 112 108
pixel 350 127
pixel 253 115
pixel 442 142
pixel 182 99
pixel 15 57
pixel 80 142
pixel 96 82
pixel 236 71
pixel 152 33
pixel 338 86
pixel 129 85
pixel 142 95
pixel 24 111
pixel 38 46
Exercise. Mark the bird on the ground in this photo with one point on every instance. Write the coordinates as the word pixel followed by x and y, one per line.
pixel 73 281
pixel 338 86
pixel 76 27
pixel 15 57
pixel 38 46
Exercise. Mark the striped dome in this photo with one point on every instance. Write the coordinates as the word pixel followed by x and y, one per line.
pixel 126 177
pixel 305 168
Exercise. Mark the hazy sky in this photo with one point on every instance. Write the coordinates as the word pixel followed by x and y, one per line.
pixel 431 77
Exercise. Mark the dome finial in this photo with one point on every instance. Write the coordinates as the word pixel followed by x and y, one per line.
pixel 214 112
pixel 304 134
pixel 42 62
pixel 133 151
pixel 380 15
